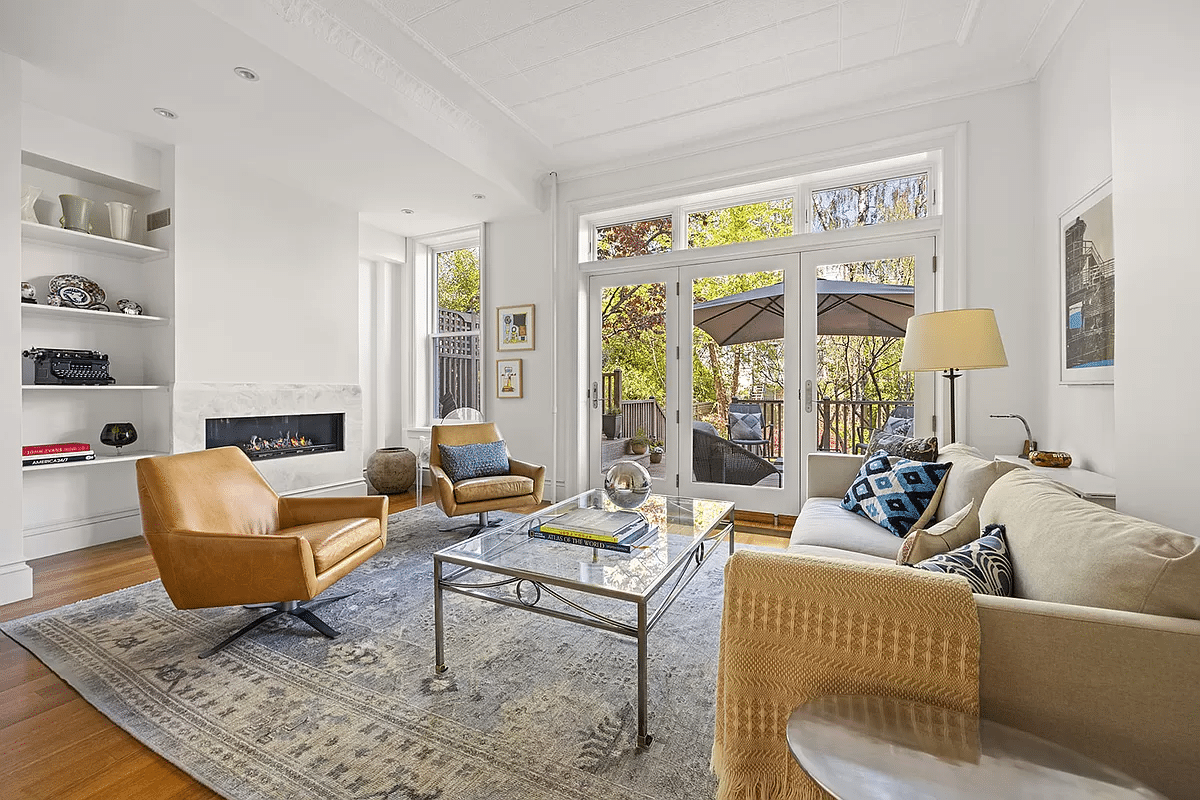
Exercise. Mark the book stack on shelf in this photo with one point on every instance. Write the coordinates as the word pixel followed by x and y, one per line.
pixel 593 527
pixel 34 455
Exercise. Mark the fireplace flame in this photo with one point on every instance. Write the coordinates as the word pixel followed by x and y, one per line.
pixel 258 444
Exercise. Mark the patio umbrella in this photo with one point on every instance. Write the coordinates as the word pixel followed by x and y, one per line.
pixel 854 308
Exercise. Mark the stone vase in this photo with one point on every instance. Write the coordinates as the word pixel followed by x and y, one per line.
pixel 392 470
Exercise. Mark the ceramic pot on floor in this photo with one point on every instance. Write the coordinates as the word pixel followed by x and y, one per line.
pixel 391 470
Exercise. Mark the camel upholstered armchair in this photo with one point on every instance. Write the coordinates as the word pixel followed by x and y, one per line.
pixel 220 536
pixel 518 485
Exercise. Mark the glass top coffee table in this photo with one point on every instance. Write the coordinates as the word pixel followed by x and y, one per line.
pixel 506 565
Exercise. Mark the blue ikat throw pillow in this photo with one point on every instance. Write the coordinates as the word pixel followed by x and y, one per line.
pixel 984 563
pixel 894 492
pixel 466 461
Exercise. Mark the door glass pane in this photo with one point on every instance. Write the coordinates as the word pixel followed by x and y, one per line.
pixel 738 379
pixel 633 336
pixel 862 310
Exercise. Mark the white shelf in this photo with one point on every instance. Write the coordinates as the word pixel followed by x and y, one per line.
pixel 58 387
pixel 97 461
pixel 86 315
pixel 88 243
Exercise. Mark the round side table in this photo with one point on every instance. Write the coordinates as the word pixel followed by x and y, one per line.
pixel 857 746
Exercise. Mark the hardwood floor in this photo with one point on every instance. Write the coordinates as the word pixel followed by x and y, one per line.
pixel 58 746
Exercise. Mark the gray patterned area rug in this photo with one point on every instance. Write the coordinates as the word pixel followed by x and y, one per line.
pixel 531 707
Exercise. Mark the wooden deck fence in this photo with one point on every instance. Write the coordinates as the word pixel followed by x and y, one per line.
pixel 844 424
pixel 458 361
pixel 644 416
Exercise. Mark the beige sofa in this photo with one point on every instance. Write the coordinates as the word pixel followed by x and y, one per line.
pixel 1074 657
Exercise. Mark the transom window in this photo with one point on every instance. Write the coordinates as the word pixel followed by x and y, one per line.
pixel 749 222
pixel 639 238
pixel 870 203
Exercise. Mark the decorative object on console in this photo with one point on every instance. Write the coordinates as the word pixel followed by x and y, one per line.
pixel 1050 458
pixel 29 196
pixel 1087 289
pixel 984 563
pixel 391 470
pixel 509 379
pixel 1030 444
pixel 129 307
pixel 627 484
pixel 120 220
pixel 75 291
pixel 897 494
pixel 28 293
pixel 76 213
pixel 951 341
pixel 118 434
pixel 45 366
pixel 514 328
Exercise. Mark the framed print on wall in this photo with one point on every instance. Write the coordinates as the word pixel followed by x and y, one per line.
pixel 514 327
pixel 1087 289
pixel 508 378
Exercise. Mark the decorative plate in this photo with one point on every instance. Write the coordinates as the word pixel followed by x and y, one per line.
pixel 129 307
pixel 99 307
pixel 76 290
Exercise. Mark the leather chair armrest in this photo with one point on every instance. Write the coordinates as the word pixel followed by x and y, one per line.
pixel 443 489
pixel 535 472
pixel 305 510
pixel 209 569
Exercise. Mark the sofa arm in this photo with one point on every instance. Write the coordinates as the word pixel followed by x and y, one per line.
pixel 830 474
pixel 1115 685
pixel 295 511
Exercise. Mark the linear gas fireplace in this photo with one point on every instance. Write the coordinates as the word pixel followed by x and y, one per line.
pixel 278 436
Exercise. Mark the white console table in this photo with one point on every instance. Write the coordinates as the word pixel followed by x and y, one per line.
pixel 1100 489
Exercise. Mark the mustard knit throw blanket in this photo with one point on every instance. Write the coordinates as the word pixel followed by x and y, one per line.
pixel 795 628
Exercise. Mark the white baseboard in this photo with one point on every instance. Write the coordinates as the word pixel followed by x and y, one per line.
pixel 350 488
pixel 61 537
pixel 16 582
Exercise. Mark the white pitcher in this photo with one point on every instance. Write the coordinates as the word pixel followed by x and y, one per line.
pixel 29 196
pixel 120 220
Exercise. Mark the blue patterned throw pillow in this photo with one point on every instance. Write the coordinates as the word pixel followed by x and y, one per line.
pixel 984 563
pixel 462 462
pixel 894 492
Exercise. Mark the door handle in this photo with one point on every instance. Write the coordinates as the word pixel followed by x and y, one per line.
pixel 808 397
pixel 595 394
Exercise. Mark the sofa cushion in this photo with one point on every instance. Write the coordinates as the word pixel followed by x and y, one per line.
pixel 334 540
pixel 1069 550
pixel 954 531
pixel 824 523
pixel 834 552
pixel 897 445
pixel 984 563
pixel 970 478
pixel 896 493
pixel 478 460
pixel 474 490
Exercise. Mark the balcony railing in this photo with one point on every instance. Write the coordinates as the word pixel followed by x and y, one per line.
pixel 844 424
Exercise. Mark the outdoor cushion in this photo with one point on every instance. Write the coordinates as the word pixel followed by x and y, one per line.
pixel 479 460
pixel 897 445
pixel 954 531
pixel 969 480
pixel 984 563
pixel 824 523
pixel 1069 550
pixel 492 488
pixel 896 493
pixel 745 426
pixel 332 541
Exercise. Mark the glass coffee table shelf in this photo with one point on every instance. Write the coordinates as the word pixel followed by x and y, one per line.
pixel 624 593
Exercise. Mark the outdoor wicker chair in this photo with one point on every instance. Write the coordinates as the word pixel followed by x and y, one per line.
pixel 718 460
pixel 746 427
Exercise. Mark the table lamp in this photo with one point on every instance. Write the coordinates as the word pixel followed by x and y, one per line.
pixel 952 341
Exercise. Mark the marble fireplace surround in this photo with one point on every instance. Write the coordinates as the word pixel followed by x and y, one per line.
pixel 193 403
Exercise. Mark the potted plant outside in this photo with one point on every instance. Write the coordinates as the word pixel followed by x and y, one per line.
pixel 610 422
pixel 656 451
pixel 639 443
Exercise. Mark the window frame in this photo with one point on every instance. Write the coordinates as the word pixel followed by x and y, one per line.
pixel 433 323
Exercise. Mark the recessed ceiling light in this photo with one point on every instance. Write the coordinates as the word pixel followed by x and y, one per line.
pixel 245 73
pixel 479 196
pixel 166 113
pixel 407 211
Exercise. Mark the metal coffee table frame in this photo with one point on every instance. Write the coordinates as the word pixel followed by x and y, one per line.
pixel 529 586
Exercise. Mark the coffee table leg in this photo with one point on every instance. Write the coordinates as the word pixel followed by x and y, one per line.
pixel 643 738
pixel 439 653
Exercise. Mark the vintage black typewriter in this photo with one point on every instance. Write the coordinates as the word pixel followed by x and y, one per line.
pixel 48 365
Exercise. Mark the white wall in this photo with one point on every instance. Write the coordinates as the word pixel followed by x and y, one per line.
pixel 16 578
pixel 1156 169
pixel 1074 156
pixel 266 279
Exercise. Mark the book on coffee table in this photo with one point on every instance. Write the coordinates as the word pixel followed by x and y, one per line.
pixel 593 523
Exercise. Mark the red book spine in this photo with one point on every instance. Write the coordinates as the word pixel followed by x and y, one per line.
pixel 54 449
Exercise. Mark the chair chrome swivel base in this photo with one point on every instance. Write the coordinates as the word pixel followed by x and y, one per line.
pixel 300 609
pixel 484 522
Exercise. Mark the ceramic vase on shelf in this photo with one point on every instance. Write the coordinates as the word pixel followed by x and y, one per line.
pixel 29 196
pixel 120 220
pixel 118 434
pixel 391 470
pixel 77 212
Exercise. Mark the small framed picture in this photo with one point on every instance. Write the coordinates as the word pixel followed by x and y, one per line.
pixel 514 328
pixel 1087 284
pixel 508 378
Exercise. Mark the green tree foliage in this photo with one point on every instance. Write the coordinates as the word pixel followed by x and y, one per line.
pixel 458 280
pixel 640 238
pixel 747 223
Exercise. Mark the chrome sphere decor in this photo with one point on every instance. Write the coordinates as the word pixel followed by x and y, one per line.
pixel 627 484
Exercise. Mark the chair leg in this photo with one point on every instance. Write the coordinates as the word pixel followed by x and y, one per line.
pixel 295 608
pixel 484 522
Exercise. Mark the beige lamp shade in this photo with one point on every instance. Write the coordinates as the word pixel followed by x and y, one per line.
pixel 964 339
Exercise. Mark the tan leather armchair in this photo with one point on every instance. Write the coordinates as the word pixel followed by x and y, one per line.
pixel 523 484
pixel 220 536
